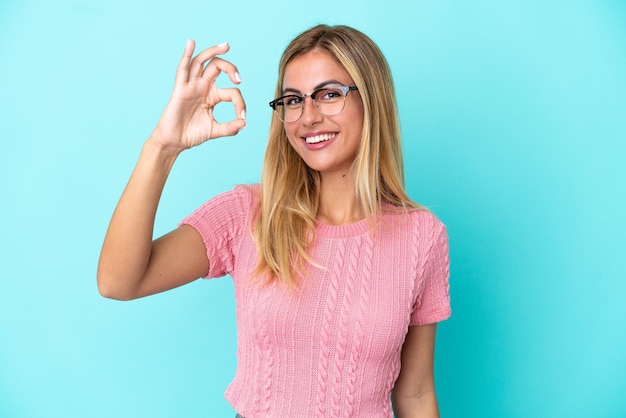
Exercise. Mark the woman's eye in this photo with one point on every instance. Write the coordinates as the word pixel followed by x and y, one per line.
pixel 292 101
pixel 328 95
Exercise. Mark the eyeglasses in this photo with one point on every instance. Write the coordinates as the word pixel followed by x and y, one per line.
pixel 328 101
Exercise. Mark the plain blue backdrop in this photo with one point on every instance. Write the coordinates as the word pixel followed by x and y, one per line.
pixel 514 125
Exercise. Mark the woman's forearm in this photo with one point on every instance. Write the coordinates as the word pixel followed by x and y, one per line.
pixel 127 245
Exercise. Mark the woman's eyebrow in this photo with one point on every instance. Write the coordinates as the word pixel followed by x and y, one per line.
pixel 288 90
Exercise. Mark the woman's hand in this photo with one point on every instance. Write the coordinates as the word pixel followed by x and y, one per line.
pixel 188 117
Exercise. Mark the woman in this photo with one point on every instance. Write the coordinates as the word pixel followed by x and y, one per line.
pixel 339 277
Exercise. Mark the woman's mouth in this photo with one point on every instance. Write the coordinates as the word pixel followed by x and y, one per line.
pixel 319 138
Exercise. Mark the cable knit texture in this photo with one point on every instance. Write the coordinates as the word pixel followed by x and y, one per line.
pixel 332 347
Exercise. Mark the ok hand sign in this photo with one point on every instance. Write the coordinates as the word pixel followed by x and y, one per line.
pixel 188 119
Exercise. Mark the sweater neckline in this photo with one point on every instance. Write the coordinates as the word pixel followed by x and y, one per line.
pixel 341 231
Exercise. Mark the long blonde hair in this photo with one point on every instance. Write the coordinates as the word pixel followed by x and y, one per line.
pixel 284 226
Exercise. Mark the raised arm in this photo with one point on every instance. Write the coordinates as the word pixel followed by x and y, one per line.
pixel 131 264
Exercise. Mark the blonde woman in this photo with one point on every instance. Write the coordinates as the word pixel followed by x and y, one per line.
pixel 340 279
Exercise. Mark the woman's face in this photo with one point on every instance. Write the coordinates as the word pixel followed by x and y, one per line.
pixel 327 144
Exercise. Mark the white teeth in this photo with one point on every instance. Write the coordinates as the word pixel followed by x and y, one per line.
pixel 318 138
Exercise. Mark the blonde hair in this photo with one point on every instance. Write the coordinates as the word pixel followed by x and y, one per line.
pixel 284 226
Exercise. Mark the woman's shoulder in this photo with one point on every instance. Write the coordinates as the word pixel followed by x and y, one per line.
pixel 425 217
pixel 429 231
pixel 244 194
pixel 237 202
pixel 252 191
pixel 418 216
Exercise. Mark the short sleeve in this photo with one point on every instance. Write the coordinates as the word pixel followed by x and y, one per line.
pixel 433 297
pixel 221 222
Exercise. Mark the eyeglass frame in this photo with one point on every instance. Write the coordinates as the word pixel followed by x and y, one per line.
pixel 343 89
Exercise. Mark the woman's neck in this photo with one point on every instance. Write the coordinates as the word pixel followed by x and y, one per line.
pixel 338 203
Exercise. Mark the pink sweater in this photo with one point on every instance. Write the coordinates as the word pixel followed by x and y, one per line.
pixel 332 347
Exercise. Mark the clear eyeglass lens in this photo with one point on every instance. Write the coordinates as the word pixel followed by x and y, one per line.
pixel 328 101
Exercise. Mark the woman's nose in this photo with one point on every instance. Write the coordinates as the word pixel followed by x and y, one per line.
pixel 310 114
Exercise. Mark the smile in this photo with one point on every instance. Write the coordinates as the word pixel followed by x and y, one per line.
pixel 319 138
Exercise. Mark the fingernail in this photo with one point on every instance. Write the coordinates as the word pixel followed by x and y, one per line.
pixel 243 114
pixel 237 78
pixel 223 44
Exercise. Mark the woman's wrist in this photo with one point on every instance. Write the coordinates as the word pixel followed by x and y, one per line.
pixel 156 148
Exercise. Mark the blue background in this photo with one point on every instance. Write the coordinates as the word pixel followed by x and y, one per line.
pixel 514 122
